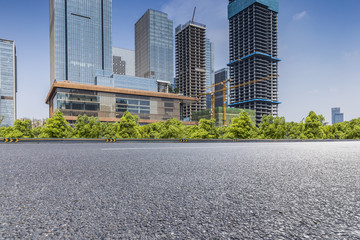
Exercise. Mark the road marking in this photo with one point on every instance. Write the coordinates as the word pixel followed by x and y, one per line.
pixel 171 148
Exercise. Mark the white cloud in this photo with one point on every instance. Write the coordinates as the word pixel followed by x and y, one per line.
pixel 212 13
pixel 299 16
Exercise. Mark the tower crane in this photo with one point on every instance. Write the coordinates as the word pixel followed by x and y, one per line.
pixel 224 89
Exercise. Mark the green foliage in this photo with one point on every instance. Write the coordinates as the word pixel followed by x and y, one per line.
pixel 56 127
pixel 242 127
pixel 36 132
pixel 86 127
pixel 295 130
pixel 173 129
pixel 152 131
pixel 205 130
pixel 21 129
pixel 314 126
pixel 272 127
pixel 351 129
pixel 127 127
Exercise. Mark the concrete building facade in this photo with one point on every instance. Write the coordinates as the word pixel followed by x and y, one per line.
pixel 123 61
pixel 154 40
pixel 190 44
pixel 109 104
pixel 80 40
pixel 253 38
pixel 8 82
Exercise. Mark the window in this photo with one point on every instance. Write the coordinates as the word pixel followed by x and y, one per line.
pixel 169 104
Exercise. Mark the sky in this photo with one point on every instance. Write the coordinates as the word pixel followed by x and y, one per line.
pixel 318 45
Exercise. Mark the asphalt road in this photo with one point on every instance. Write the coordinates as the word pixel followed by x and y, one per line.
pixel 180 191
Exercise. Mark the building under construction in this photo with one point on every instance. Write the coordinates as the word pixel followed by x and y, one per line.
pixel 219 115
pixel 254 55
pixel 191 64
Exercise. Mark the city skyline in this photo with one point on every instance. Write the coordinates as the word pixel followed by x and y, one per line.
pixel 318 69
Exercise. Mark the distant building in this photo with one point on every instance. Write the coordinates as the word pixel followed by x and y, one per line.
pixel 337 117
pixel 8 82
pixel 190 44
pixel 123 61
pixel 220 76
pixel 253 45
pixel 80 40
pixel 154 46
pixel 209 70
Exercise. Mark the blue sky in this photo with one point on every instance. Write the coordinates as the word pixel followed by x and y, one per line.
pixel 319 44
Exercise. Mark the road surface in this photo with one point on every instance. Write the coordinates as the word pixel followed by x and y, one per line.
pixel 180 191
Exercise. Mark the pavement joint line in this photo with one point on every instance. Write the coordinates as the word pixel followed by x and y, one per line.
pixel 170 148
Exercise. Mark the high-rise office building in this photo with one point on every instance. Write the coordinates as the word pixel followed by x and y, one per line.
pixel 190 44
pixel 209 69
pixel 123 61
pixel 80 40
pixel 154 46
pixel 8 82
pixel 220 76
pixel 336 115
pixel 253 36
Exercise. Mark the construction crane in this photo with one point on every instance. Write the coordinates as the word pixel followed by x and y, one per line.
pixel 224 89
pixel 193 14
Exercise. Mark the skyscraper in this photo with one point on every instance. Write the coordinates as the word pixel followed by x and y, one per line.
pixel 336 115
pixel 209 69
pixel 190 44
pixel 8 81
pixel 80 40
pixel 220 76
pixel 253 55
pixel 154 46
pixel 123 61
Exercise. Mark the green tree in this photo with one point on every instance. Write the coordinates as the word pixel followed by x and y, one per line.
pixel 295 130
pixel 86 127
pixel 352 129
pixel 56 127
pixel 108 130
pixel 205 130
pixel 128 126
pixel 173 129
pixel 21 129
pixel 272 127
pixel 314 126
pixel 152 130
pixel 36 132
pixel 242 127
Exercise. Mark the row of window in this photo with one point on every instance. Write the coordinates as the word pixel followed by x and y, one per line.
pixel 125 101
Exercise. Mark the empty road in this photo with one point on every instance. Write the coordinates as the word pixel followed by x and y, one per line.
pixel 180 191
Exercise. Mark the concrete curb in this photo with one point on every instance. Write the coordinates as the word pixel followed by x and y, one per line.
pixel 114 141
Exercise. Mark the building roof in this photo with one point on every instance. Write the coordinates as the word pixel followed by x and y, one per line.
pixel 237 6
pixel 97 88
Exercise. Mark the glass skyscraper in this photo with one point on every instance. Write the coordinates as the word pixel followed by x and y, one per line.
pixel 80 40
pixel 8 81
pixel 336 115
pixel 154 46
pixel 209 70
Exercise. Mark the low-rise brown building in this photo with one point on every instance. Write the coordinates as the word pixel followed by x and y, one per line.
pixel 109 103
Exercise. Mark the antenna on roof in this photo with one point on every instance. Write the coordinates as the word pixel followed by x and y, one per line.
pixel 193 14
